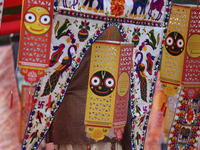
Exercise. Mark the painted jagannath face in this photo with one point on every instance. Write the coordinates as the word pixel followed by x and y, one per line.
pixel 37 20
pixel 174 43
pixel 102 83
pixel 172 102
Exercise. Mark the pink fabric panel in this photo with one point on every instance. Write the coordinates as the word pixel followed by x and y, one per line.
pixel 9 118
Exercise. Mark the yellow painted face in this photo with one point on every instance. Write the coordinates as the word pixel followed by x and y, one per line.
pixel 37 20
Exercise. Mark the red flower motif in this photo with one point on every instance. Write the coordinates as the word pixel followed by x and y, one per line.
pixel 192 141
pixel 78 60
pixel 181 113
pixel 175 132
pixel 190 116
pixel 27 136
pixel 35 101
pixel 195 128
pixel 143 139
pixel 149 106
pixel 194 134
pixel 180 120
pixel 71 36
pixel 198 116
pixel 124 35
pixel 133 127
pixel 177 126
pixel 173 140
pixel 198 122
pixel 183 105
pixel 48 124
pixel 63 91
pixel 98 32
pixel 168 10
pixel 132 96
pixel 143 44
pixel 163 41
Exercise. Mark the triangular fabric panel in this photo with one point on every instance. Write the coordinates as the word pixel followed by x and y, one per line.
pixel 76 27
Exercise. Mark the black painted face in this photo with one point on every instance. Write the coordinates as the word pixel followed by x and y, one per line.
pixel 174 43
pixel 102 83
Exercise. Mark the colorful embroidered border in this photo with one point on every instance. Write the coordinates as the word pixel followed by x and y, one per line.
pixel 178 122
pixel 110 19
pixel 165 24
pixel 181 115
pixel 63 91
pixel 55 9
pixel 150 104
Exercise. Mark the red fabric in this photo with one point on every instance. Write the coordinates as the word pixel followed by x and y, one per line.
pixel 11 17
pixel 12 3
pixel 10 23
pixel 10 27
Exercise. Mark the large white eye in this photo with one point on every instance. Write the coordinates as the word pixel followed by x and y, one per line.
pixel 95 81
pixel 45 19
pixel 169 41
pixel 180 43
pixel 109 82
pixel 170 99
pixel 30 17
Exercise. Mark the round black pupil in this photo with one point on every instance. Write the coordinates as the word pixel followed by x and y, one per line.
pixel 29 17
pixel 109 82
pixel 45 19
pixel 95 81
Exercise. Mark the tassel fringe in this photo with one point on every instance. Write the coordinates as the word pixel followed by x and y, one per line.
pixel 49 101
pixel 29 99
pixel 33 103
pixel 11 99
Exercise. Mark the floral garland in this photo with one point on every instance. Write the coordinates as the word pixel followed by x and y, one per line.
pixel 180 119
pixel 182 112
